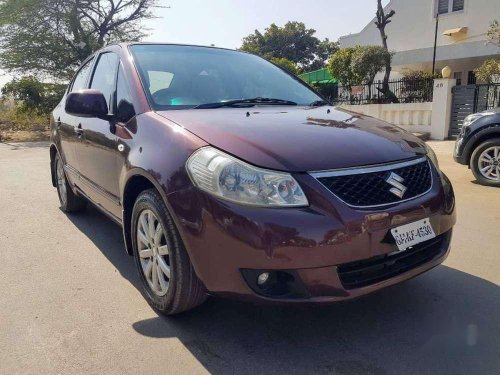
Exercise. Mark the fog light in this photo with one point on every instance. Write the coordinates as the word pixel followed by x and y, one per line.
pixel 263 277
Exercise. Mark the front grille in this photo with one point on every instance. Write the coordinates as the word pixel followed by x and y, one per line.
pixel 368 187
pixel 370 271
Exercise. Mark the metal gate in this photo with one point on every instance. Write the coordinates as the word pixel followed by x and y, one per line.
pixel 487 96
pixel 462 105
pixel 471 99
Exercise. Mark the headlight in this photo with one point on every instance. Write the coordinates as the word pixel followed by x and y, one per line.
pixel 449 195
pixel 432 156
pixel 475 116
pixel 229 178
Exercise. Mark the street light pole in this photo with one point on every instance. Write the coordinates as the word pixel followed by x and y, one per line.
pixel 435 44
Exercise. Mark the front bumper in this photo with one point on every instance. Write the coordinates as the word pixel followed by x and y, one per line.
pixel 314 244
pixel 458 151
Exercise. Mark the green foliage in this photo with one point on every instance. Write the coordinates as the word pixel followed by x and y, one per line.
pixel 34 96
pixel 328 91
pixel 419 74
pixel 417 84
pixel 355 65
pixel 494 33
pixel 340 67
pixel 367 61
pixel 326 48
pixel 286 64
pixel 53 37
pixel 489 72
pixel 11 118
pixel 293 42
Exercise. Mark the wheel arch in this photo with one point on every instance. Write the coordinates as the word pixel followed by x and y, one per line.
pixel 490 132
pixel 53 152
pixel 137 181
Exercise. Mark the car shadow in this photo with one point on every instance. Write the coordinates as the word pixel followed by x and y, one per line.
pixel 476 182
pixel 107 237
pixel 443 322
pixel 16 146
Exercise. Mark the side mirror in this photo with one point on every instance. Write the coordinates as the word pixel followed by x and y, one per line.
pixel 87 103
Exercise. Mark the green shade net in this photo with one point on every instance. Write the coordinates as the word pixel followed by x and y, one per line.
pixel 318 77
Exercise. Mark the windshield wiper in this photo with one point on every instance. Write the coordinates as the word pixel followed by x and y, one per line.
pixel 246 102
pixel 319 103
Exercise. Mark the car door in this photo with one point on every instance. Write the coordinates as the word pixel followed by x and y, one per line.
pixel 97 150
pixel 67 125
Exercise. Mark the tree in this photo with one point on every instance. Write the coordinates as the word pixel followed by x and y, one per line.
pixel 489 72
pixel 326 48
pixel 358 64
pixel 53 37
pixel 340 67
pixel 286 64
pixel 293 42
pixel 367 61
pixel 382 21
pixel 494 33
pixel 34 95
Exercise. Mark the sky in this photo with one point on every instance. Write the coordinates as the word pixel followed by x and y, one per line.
pixel 225 23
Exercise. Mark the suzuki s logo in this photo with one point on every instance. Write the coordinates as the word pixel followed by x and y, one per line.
pixel 396 181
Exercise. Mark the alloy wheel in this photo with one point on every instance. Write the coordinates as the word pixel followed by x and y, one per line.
pixel 61 181
pixel 489 163
pixel 153 252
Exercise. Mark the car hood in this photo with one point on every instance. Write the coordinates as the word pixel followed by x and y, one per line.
pixel 299 139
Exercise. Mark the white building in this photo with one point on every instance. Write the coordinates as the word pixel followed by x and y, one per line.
pixel 461 39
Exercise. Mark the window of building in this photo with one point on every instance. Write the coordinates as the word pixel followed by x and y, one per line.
pixel 458 77
pixel 471 78
pixel 449 6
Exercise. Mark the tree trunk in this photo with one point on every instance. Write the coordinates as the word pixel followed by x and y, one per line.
pixel 382 21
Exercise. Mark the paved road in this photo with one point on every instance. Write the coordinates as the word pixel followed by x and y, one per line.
pixel 69 301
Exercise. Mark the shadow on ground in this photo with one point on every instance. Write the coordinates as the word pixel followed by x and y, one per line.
pixel 443 322
pixel 15 146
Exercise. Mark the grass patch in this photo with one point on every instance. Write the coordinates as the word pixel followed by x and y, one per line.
pixel 17 125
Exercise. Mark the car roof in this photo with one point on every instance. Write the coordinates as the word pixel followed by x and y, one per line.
pixel 127 44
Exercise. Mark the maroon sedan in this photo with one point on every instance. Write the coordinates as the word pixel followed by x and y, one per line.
pixel 231 177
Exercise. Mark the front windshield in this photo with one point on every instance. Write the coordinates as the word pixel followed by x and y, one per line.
pixel 179 77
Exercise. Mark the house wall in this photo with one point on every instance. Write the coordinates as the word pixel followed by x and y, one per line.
pixel 432 118
pixel 414 117
pixel 413 25
pixel 411 36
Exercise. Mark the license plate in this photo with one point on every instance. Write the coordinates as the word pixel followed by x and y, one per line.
pixel 411 234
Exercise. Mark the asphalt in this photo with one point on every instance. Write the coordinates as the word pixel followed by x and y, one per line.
pixel 69 300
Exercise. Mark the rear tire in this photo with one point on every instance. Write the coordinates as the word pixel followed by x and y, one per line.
pixel 70 202
pixel 485 162
pixel 158 247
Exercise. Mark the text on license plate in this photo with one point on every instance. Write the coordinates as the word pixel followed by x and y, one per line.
pixel 414 233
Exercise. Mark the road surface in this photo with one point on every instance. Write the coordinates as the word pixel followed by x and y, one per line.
pixel 69 301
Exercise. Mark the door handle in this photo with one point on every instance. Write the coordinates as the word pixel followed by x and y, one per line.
pixel 58 123
pixel 79 130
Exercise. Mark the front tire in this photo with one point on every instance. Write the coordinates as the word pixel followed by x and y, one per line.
pixel 485 162
pixel 70 202
pixel 169 282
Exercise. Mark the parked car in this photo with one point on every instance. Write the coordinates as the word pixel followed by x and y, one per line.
pixel 231 177
pixel 478 146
